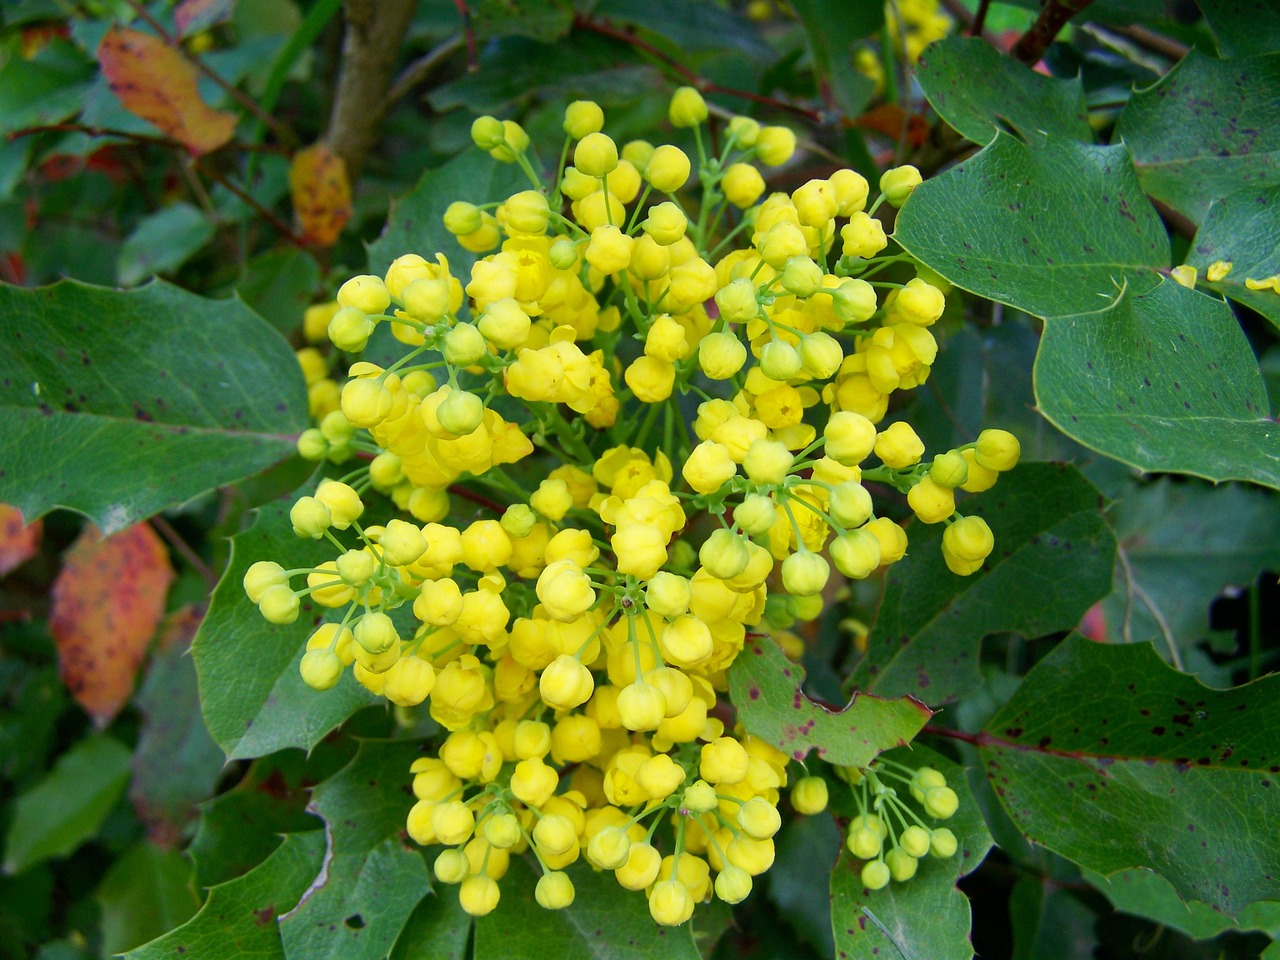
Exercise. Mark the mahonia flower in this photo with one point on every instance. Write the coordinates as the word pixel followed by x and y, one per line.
pixel 571 627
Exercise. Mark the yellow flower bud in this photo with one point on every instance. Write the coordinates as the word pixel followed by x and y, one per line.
pixel 687 108
pixel 596 155
pixel 742 184
pixel 898 446
pixel 898 183
pixel 775 145
pixel 583 117
pixel 668 169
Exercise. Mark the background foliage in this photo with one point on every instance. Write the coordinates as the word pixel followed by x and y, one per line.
pixel 1105 685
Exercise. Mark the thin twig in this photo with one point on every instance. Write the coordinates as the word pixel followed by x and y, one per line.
pixel 1053 17
pixel 242 98
pixel 420 69
pixel 1135 590
pixel 197 188
pixel 976 29
pixel 92 131
pixel 694 80
pixel 473 63
pixel 175 540
pixel 1155 42
pixel 266 214
pixel 1126 628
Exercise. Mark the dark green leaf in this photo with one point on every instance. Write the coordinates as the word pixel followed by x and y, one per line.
pixel 238 829
pixel 1049 531
pixel 1051 230
pixel 1185 543
pixel 1243 230
pixel 1147 894
pixel 239 918
pixel 605 922
pixel 1049 922
pixel 544 20
pixel 45 89
pixel 1158 772
pixel 1172 386
pixel 807 847
pixel 1205 130
pixel 280 285
pixel 416 221
pixel 162 242
pixel 831 28
pixel 766 689
pixel 68 806
pixel 253 697
pixel 121 404
pixel 925 918
pixel 689 26
pixel 1243 27
pixel 977 90
pixel 438 929
pixel 147 892
pixel 176 764
pixel 373 878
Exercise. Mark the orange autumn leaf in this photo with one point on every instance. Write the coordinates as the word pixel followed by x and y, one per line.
pixel 107 602
pixel 888 119
pixel 155 82
pixel 321 194
pixel 19 540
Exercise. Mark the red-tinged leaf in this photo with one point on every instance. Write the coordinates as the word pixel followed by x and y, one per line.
pixel 892 121
pixel 107 602
pixel 156 83
pixel 19 541
pixel 321 194
pixel 192 16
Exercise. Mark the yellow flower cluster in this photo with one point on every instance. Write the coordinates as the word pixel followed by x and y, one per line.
pixel 572 632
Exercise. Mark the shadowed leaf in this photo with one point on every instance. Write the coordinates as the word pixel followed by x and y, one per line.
pixel 1243 230
pixel 19 540
pixel 1053 558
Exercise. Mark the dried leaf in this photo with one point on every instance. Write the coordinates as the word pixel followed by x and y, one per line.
pixel 107 601
pixel 156 83
pixel 19 541
pixel 321 194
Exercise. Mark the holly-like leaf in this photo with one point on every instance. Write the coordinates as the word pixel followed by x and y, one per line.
pixel 162 242
pixel 374 875
pixel 978 90
pixel 438 929
pixel 1052 230
pixel 1242 27
pixel 147 892
pixel 1206 130
pixel 68 806
pixel 253 697
pixel 240 827
pixel 107 602
pixel 19 540
pixel 119 404
pixel 1053 558
pixel 604 921
pixel 176 764
pixel 767 690
pixel 1171 386
pixel 543 20
pixel 1243 230
pixel 48 88
pixel 240 917
pixel 1185 543
pixel 925 918
pixel 1147 894
pixel 416 221
pixel 1158 772
pixel 321 194
pixel 155 82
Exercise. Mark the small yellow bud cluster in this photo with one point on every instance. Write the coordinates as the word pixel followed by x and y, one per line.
pixel 572 625
pixel 887 833
pixel 910 25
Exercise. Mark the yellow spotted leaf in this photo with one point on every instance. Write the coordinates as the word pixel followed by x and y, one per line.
pixel 321 194
pixel 108 600
pixel 19 540
pixel 155 82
